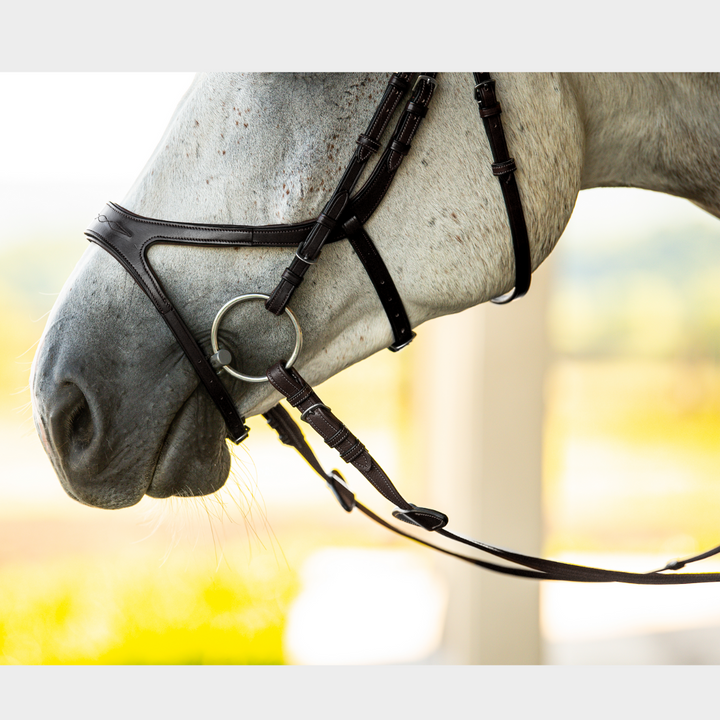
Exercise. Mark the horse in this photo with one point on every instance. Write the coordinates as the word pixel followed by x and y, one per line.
pixel 118 407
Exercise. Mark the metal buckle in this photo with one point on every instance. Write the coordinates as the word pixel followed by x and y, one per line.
pixel 396 348
pixel 217 351
pixel 426 78
pixel 312 407
pixel 304 259
pixel 238 440
pixel 485 83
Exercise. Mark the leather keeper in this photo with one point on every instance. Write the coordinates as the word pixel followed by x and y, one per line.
pixel 326 221
pixel 416 109
pixel 353 452
pixel 399 147
pixel 341 435
pixel 291 277
pixel 368 142
pixel 486 112
pixel 399 83
pixel 300 396
pixel 505 167
pixel 422 517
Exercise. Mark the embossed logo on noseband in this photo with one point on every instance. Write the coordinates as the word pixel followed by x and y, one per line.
pixel 114 225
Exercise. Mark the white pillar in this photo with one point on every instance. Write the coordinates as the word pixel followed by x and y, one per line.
pixel 478 412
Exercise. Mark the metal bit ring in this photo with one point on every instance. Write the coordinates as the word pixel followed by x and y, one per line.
pixel 216 325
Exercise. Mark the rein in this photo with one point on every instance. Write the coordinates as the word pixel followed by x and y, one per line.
pixel 127 237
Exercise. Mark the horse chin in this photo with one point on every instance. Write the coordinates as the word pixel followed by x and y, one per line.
pixel 194 458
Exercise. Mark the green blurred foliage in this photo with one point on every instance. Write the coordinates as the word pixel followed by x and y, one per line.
pixel 87 610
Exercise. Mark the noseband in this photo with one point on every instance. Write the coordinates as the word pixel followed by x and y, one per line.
pixel 127 237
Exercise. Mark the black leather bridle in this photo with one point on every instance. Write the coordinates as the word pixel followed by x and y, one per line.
pixel 127 237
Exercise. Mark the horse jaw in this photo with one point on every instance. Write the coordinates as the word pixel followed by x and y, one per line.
pixel 258 150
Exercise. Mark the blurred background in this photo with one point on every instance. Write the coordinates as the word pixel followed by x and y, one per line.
pixel 606 448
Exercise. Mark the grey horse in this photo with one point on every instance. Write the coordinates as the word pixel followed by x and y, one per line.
pixel 115 401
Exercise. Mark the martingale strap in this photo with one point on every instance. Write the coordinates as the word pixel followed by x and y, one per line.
pixel 336 435
pixel 504 168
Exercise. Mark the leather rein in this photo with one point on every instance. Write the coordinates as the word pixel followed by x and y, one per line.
pixel 127 237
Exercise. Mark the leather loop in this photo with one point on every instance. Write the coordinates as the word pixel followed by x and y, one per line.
pixel 490 111
pixel 326 221
pixel 337 438
pixel 399 147
pixel 353 452
pixel 368 142
pixel 382 281
pixel 416 109
pixel 291 277
pixel 503 168
pixel 398 82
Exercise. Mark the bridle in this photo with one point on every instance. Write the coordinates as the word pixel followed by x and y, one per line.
pixel 127 237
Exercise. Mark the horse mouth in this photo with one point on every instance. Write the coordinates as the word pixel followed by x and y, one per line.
pixel 193 458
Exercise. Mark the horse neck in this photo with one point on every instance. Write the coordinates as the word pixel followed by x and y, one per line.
pixel 653 131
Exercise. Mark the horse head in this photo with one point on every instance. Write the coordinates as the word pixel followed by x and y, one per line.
pixel 117 404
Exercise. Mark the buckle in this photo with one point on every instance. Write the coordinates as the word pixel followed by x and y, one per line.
pixel 304 259
pixel 343 494
pixel 313 407
pixel 490 84
pixel 237 440
pixel 396 348
pixel 426 78
pixel 422 517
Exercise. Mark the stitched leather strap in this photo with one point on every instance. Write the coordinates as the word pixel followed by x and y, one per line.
pixel 300 395
pixel 367 199
pixel 314 412
pixel 381 279
pixel 324 225
pixel 335 434
pixel 504 169
pixel 376 186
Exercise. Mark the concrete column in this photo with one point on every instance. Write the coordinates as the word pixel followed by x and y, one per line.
pixel 479 407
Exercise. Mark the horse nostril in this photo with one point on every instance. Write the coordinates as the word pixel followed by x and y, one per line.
pixel 71 421
pixel 81 424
